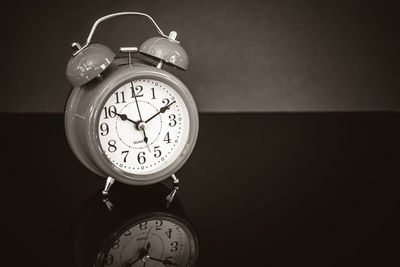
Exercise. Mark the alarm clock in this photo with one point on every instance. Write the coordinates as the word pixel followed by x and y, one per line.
pixel 134 226
pixel 127 118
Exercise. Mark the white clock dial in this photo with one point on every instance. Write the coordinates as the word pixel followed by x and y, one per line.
pixel 143 126
pixel 156 242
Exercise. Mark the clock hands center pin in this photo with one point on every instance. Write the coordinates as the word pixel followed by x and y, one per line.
pixel 142 254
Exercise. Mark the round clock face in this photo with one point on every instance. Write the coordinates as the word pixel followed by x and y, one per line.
pixel 152 243
pixel 143 126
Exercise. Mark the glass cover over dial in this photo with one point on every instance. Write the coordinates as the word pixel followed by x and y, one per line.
pixel 143 126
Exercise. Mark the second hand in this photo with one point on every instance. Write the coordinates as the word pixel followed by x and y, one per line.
pixel 137 104
pixel 145 139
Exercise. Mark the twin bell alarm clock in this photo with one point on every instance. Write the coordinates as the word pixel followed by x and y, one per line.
pixel 129 119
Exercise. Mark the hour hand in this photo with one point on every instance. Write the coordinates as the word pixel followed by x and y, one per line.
pixel 130 263
pixel 125 118
pixel 165 262
pixel 139 255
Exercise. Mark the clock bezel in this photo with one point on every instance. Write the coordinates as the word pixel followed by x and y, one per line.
pixel 110 84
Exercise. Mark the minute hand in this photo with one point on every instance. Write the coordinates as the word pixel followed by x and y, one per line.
pixel 162 110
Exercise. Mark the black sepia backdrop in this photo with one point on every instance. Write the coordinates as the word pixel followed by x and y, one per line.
pixel 281 187
pixel 253 55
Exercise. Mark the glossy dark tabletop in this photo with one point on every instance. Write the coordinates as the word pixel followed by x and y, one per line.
pixel 259 189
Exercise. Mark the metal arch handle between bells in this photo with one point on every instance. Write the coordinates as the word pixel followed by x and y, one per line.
pixel 100 20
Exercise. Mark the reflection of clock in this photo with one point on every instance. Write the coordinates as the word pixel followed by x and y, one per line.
pixel 157 239
pixel 134 227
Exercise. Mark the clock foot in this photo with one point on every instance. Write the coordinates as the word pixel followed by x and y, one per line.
pixel 160 64
pixel 108 203
pixel 175 188
pixel 108 185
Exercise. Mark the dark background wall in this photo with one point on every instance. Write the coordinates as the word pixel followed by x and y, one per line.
pixel 245 55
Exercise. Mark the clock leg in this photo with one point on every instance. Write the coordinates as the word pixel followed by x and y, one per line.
pixel 108 203
pixel 108 185
pixel 175 188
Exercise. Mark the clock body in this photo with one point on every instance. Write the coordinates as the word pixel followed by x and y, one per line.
pixel 102 123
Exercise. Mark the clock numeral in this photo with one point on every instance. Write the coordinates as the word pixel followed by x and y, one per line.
pixel 167 139
pixel 109 259
pixel 165 101
pixel 174 246
pixel 154 95
pixel 116 244
pixel 157 152
pixel 143 226
pixel 172 117
pixel 110 112
pixel 104 129
pixel 126 152
pixel 112 146
pixel 138 89
pixel 159 223
pixel 141 157
pixel 120 96
pixel 169 233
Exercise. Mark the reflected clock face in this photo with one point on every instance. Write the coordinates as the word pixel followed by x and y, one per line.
pixel 143 126
pixel 153 242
